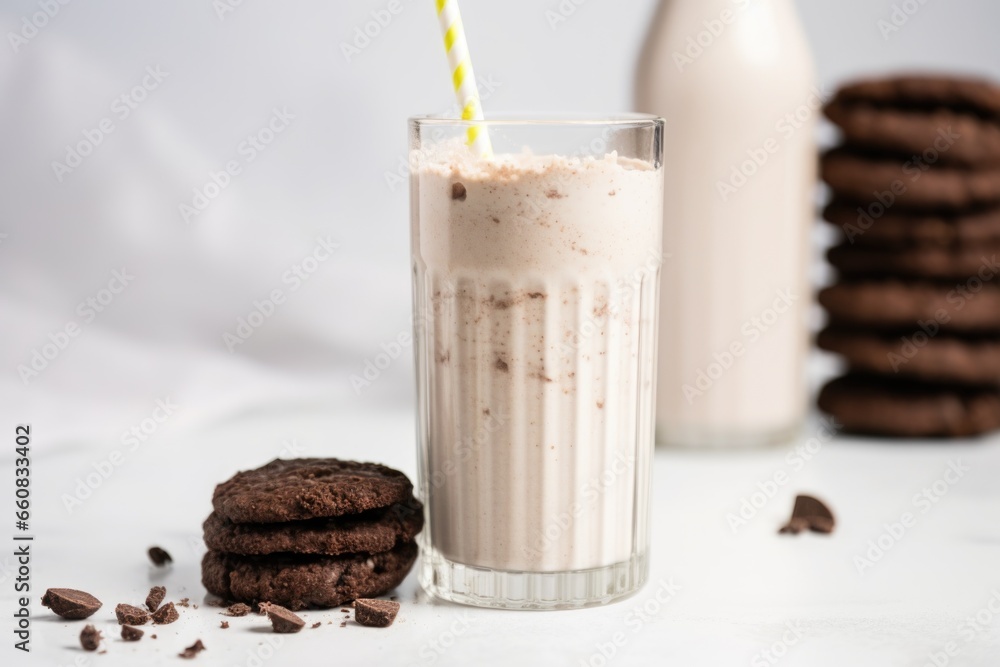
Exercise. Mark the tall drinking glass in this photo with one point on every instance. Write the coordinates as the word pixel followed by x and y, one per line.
pixel 536 279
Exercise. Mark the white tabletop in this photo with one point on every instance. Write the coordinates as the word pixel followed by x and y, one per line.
pixel 806 600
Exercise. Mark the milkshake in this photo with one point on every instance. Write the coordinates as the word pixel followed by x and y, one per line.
pixel 536 290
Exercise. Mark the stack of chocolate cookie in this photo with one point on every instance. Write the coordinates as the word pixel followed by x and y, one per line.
pixel 916 311
pixel 311 533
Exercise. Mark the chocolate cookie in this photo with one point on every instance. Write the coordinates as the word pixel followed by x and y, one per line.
pixel 290 490
pixel 927 91
pixel 956 263
pixel 957 118
pixel 890 304
pixel 299 582
pixel 916 354
pixel 879 227
pixel 369 532
pixel 884 406
pixel 908 183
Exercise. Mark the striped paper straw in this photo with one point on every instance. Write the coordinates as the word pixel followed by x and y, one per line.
pixel 462 77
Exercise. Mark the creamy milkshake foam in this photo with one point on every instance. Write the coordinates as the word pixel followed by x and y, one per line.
pixel 536 281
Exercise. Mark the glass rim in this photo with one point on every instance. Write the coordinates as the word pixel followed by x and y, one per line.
pixel 626 119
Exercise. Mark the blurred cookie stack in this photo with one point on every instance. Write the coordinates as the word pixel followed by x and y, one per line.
pixel 307 533
pixel 916 309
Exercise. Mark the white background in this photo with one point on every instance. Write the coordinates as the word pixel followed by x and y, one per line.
pixel 287 390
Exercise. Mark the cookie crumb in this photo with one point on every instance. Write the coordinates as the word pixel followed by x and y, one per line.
pixel 192 650
pixel 224 625
pixel 316 624
pixel 375 613
pixel 184 602
pixel 165 614
pixel 131 634
pixel 90 638
pixel 458 191
pixel 155 597
pixel 282 620
pixel 238 609
pixel 809 513
pixel 129 615
pixel 159 556
pixel 70 603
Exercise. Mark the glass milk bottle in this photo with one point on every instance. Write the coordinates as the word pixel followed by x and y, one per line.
pixel 734 81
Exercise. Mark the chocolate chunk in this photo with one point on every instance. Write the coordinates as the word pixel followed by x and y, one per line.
pixel 192 650
pixel 155 597
pixel 238 609
pixel 129 615
pixel 224 625
pixel 283 620
pixel 90 638
pixel 131 634
pixel 316 624
pixel 809 514
pixel 165 614
pixel 70 603
pixel 458 191
pixel 159 556
pixel 375 613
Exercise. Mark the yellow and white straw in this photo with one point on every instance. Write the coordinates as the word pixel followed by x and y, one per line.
pixel 462 77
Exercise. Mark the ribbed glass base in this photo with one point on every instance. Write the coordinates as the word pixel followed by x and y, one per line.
pixel 501 589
